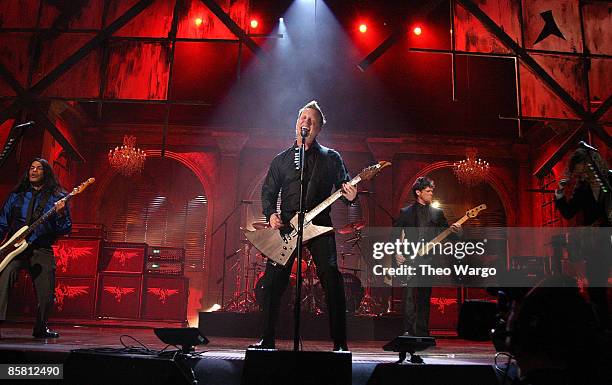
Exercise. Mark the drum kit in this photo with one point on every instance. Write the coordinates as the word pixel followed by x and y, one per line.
pixel 249 283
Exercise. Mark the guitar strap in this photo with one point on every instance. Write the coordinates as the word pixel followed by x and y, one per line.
pixel 322 153
pixel 34 214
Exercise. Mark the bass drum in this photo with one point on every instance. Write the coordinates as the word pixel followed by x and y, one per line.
pixel 353 292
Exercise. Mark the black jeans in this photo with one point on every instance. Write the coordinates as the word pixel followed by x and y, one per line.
pixel 41 266
pixel 276 278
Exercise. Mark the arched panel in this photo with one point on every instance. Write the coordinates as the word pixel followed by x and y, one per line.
pixel 165 205
pixel 492 182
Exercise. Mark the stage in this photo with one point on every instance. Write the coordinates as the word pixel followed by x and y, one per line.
pixel 222 360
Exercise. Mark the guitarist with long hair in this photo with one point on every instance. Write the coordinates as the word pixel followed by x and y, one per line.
pixel 428 221
pixel 37 192
pixel 324 171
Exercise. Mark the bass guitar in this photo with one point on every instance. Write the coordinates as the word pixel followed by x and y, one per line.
pixel 472 213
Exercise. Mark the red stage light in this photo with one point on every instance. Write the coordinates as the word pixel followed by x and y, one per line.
pixel 363 28
pixel 417 31
pixel 254 23
pixel 198 21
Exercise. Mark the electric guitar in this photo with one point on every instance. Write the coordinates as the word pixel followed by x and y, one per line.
pixel 472 213
pixel 599 178
pixel 17 242
pixel 279 245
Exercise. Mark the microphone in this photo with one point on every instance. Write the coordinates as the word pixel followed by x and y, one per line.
pixel 26 124
pixel 246 201
pixel 305 131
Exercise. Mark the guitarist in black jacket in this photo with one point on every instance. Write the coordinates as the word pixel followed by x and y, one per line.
pixel 591 212
pixel 36 194
pixel 324 171
pixel 429 221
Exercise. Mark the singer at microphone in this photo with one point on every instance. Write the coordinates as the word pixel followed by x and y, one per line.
pixel 324 171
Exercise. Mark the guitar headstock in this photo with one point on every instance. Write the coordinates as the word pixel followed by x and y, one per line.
pixel 369 172
pixel 79 189
pixel 472 213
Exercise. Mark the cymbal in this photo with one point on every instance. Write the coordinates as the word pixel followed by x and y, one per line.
pixel 351 227
pixel 260 225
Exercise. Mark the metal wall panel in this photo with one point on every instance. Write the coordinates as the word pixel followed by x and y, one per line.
pixel 472 36
pixel 138 70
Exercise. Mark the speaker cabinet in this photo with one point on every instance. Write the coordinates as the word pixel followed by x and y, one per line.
pixel 165 298
pixel 119 295
pixel 76 257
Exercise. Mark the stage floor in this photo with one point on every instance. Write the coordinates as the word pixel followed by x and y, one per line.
pixel 222 360
pixel 18 337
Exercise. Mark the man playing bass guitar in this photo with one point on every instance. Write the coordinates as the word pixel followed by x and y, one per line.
pixel 428 221
pixel 37 193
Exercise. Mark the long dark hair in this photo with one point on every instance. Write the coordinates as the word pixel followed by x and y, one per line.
pixel 50 183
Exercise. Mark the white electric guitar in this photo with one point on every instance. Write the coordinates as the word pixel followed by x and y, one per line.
pixel 17 243
pixel 279 247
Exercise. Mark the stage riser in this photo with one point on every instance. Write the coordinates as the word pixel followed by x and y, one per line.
pixel 247 325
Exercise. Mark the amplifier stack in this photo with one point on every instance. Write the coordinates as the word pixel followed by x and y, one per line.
pixel 96 279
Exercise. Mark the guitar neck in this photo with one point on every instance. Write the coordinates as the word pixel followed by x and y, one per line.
pixel 42 219
pixel 327 202
pixel 442 236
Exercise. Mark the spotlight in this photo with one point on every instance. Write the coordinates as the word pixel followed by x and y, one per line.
pixel 281 20
pixel 254 23
pixel 417 31
pixel 435 204
pixel 363 28
pixel 198 21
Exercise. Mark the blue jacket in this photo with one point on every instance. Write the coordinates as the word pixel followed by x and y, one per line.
pixel 15 211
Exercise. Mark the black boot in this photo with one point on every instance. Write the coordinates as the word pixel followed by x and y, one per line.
pixel 44 332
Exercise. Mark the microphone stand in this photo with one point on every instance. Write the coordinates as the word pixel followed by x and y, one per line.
pixel 300 231
pixel 224 224
pixel 390 308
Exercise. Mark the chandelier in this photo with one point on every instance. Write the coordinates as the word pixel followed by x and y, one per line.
pixel 127 159
pixel 471 170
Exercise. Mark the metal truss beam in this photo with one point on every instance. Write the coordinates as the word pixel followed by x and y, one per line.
pixel 41 117
pixel 232 26
pixel 27 98
pixel 89 46
pixel 589 119
pixel 396 34
pixel 526 58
